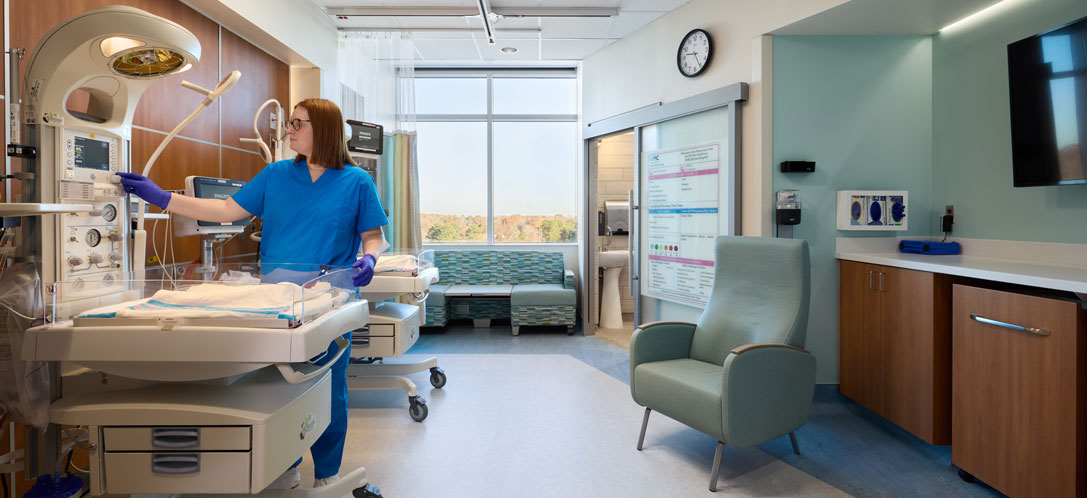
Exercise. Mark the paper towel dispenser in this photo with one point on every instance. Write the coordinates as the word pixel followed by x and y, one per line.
pixel 617 216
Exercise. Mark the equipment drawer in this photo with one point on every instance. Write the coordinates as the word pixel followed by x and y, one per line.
pixel 375 330
pixel 176 438
pixel 176 472
pixel 373 346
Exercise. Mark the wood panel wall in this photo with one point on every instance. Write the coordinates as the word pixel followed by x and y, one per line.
pixel 209 146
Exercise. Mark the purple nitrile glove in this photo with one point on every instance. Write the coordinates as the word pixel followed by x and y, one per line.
pixel 145 189
pixel 365 264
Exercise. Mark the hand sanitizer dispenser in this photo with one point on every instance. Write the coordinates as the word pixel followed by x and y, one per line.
pixel 617 216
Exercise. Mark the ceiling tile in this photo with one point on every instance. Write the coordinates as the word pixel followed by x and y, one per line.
pixel 573 27
pixel 506 35
pixel 570 49
pixel 447 49
pixel 629 22
pixel 526 50
pixel 651 5
pixel 442 35
pixel 518 22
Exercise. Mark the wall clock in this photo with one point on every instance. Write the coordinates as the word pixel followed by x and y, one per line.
pixel 695 52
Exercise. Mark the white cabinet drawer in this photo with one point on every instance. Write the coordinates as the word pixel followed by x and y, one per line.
pixel 176 438
pixel 176 472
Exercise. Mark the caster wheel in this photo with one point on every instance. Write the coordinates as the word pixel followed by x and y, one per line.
pixel 367 491
pixel 966 476
pixel 418 409
pixel 437 377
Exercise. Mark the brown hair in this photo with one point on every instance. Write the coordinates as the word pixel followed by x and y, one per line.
pixel 329 140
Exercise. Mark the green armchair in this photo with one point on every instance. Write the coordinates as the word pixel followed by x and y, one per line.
pixel 740 374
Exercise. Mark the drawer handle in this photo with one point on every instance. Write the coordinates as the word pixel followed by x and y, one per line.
pixel 175 437
pixel 990 321
pixel 175 463
pixel 360 341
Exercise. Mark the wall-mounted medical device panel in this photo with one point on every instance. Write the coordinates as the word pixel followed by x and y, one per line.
pixel 365 137
pixel 878 210
pixel 203 187
pixel 90 246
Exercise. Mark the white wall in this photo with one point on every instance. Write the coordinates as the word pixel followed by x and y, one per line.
pixel 641 69
pixel 291 30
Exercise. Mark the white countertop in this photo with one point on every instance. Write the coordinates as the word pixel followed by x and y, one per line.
pixel 1045 265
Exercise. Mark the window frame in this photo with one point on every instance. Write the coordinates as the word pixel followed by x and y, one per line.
pixel 490 117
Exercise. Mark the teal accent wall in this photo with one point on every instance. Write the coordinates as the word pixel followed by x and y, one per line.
pixel 861 108
pixel 971 136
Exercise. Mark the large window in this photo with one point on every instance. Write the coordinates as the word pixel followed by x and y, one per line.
pixel 497 156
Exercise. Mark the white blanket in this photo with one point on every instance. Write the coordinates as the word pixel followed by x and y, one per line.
pixel 276 301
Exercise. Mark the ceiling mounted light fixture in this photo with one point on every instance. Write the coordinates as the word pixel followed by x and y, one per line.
pixel 509 50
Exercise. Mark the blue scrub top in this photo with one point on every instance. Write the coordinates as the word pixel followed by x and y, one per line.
pixel 311 222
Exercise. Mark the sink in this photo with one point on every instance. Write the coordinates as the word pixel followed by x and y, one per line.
pixel 612 259
pixel 611 310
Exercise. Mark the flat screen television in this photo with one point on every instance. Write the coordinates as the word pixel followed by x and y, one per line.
pixel 1047 76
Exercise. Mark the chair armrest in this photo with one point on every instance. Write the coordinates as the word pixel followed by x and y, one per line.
pixel 568 281
pixel 659 341
pixel 766 392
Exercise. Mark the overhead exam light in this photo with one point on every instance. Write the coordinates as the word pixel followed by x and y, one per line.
pixel 114 53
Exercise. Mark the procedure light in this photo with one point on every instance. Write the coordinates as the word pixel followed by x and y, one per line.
pixel 115 44
pixel 148 62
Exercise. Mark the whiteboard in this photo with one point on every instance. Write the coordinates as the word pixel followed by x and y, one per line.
pixel 683 184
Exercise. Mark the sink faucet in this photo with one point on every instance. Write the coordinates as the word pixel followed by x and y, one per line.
pixel 607 239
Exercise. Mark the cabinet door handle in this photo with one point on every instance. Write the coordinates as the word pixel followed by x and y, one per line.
pixel 881 281
pixel 990 321
pixel 870 272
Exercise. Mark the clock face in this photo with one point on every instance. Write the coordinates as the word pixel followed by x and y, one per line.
pixel 694 53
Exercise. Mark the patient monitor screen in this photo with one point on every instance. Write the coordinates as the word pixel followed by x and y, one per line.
pixel 211 188
pixel 91 153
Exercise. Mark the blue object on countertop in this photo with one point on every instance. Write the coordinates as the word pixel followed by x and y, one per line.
pixel 55 486
pixel 929 247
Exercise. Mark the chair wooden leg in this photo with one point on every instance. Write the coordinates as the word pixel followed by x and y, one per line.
pixel 792 438
pixel 645 422
pixel 716 466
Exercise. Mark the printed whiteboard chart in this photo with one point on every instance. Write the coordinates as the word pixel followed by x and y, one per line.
pixel 682 194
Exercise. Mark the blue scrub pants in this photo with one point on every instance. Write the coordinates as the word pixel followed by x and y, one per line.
pixel 327 451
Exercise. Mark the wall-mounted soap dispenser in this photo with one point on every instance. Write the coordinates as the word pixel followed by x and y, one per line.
pixel 617 217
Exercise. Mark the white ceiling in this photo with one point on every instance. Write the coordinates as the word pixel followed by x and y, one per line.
pixel 462 39
pixel 886 17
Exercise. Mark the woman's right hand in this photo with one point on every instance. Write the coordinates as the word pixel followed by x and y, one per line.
pixel 145 189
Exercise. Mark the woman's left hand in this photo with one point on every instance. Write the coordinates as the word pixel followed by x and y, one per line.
pixel 365 265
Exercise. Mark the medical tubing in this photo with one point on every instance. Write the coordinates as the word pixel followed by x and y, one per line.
pixel 69 446
pixel 265 152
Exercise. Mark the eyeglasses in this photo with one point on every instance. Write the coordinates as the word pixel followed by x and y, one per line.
pixel 296 123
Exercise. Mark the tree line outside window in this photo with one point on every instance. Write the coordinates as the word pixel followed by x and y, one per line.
pixel 497 156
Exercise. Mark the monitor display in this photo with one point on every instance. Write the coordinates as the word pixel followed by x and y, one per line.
pixel 1047 80
pixel 91 154
pixel 365 137
pixel 216 188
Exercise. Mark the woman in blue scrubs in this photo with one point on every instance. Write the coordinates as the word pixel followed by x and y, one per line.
pixel 316 209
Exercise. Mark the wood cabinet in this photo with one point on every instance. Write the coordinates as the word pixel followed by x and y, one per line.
pixel 1018 419
pixel 895 346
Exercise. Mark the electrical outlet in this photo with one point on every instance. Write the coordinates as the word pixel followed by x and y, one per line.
pixel 950 209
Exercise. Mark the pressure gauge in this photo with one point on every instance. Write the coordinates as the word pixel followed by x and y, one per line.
pixel 93 237
pixel 109 213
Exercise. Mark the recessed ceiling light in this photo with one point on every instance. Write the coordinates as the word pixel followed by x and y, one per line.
pixel 509 50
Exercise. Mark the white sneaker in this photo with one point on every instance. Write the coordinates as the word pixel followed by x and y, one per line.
pixel 289 479
pixel 325 481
